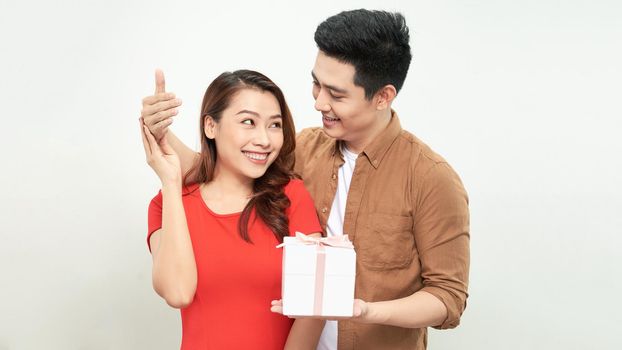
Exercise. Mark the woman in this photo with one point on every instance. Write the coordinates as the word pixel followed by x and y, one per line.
pixel 213 242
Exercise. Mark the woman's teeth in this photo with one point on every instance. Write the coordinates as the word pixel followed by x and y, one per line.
pixel 256 156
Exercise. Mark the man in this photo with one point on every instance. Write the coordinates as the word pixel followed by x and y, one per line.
pixel 402 205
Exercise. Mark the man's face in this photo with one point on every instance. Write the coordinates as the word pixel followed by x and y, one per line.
pixel 346 114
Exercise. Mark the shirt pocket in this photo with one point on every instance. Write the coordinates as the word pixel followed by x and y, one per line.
pixel 385 241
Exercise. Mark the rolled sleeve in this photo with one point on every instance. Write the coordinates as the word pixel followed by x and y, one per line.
pixel 442 239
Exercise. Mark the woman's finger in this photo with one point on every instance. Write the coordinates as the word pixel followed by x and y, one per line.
pixel 153 144
pixel 144 137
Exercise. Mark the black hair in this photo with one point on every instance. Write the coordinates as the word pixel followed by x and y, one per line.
pixel 376 43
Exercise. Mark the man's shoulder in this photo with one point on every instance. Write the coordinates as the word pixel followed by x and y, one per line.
pixel 312 134
pixel 419 151
pixel 426 164
pixel 313 140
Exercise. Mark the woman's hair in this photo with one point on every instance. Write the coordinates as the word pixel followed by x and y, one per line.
pixel 269 199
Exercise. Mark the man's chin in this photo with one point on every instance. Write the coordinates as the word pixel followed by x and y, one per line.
pixel 334 132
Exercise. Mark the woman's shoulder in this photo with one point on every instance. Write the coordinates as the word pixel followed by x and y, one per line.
pixel 296 189
pixel 294 185
pixel 186 190
pixel 190 188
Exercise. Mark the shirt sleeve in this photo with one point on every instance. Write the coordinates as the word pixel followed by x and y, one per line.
pixel 154 217
pixel 301 212
pixel 442 238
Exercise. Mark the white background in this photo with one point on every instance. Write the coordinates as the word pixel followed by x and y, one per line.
pixel 521 97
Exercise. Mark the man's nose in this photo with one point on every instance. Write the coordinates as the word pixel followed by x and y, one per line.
pixel 321 102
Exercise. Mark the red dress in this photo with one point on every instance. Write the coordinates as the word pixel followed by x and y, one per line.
pixel 236 280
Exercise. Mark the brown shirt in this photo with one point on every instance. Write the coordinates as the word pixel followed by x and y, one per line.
pixel 407 216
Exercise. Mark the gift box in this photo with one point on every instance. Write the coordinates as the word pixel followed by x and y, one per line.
pixel 318 276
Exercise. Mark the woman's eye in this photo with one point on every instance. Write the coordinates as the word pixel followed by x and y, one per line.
pixel 276 125
pixel 248 122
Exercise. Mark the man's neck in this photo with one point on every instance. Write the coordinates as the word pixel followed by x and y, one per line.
pixel 358 145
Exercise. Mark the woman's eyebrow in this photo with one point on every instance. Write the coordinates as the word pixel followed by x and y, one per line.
pixel 246 111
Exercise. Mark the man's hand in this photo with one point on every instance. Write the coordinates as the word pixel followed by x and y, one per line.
pixel 159 108
pixel 360 312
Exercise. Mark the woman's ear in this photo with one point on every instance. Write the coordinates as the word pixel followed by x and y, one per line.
pixel 210 127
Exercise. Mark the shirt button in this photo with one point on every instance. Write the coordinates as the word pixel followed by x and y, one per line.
pixel 324 210
pixel 334 177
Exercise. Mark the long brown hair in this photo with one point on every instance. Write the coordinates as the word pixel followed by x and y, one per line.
pixel 269 199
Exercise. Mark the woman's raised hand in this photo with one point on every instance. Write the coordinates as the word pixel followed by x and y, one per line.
pixel 161 158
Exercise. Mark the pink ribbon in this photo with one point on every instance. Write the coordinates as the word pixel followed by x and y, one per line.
pixel 333 241
pixel 320 266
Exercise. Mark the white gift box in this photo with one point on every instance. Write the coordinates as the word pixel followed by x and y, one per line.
pixel 318 276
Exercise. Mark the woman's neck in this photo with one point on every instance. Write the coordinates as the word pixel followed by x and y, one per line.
pixel 225 184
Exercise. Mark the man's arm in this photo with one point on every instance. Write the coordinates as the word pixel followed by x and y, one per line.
pixel 418 310
pixel 187 156
pixel 441 231
pixel 157 114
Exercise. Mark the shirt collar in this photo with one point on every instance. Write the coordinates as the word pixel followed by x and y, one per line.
pixel 379 146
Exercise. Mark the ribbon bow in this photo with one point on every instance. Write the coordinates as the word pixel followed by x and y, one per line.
pixel 332 241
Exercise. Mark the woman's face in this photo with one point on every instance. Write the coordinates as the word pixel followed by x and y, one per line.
pixel 249 134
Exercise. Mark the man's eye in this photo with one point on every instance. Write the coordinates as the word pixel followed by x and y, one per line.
pixel 248 122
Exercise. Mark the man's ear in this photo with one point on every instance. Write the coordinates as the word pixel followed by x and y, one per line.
pixel 385 96
pixel 210 127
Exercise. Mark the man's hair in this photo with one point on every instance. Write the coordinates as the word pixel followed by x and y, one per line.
pixel 376 43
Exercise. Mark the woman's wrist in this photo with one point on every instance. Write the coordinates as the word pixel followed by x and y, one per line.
pixel 171 187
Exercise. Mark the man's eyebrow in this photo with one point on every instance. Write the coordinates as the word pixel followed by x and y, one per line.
pixel 246 111
pixel 331 87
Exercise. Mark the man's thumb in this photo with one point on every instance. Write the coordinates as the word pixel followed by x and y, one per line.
pixel 159 79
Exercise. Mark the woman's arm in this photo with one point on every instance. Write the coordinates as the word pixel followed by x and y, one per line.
pixel 304 334
pixel 174 272
pixel 174 268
